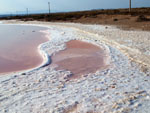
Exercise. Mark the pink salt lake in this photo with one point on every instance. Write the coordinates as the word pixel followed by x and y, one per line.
pixel 19 51
pixel 19 47
pixel 80 58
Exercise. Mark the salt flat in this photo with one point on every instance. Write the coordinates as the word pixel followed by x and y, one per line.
pixel 123 87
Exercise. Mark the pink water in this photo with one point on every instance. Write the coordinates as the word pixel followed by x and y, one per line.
pixel 81 58
pixel 19 47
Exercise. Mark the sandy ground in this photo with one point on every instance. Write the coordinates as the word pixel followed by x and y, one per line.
pixel 122 87
pixel 125 22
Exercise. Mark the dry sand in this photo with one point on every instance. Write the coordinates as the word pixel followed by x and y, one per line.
pixel 124 86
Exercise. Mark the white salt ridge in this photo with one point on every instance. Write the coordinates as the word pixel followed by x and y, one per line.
pixel 120 88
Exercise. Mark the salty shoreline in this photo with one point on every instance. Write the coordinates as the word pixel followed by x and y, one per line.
pixel 42 52
pixel 122 87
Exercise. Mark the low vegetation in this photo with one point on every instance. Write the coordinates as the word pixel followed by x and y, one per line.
pixel 142 18
pixel 85 14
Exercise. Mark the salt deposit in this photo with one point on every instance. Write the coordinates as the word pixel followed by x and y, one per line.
pixel 122 87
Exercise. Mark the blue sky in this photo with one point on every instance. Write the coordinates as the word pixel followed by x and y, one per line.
pixel 11 6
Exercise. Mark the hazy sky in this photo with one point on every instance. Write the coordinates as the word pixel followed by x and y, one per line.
pixel 8 6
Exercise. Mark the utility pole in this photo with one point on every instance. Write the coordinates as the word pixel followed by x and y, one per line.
pixel 27 11
pixel 16 13
pixel 49 7
pixel 130 6
pixel 11 14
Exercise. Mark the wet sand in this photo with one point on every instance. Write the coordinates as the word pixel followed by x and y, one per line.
pixel 80 58
pixel 19 47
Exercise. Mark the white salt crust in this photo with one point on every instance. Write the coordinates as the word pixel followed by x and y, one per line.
pixel 122 87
